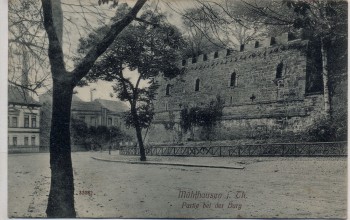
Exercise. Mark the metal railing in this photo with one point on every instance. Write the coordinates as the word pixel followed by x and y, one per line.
pixel 279 149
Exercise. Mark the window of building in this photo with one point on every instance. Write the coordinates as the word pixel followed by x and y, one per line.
pixel 93 121
pixel 233 80
pixel 241 47
pixel 14 122
pixel 26 141
pixel 196 88
pixel 205 57
pixel 14 141
pixel 216 54
pixel 33 140
pixel 194 59
pixel 109 121
pixel 273 41
pixel 256 44
pixel 33 122
pixel 279 70
pixel 166 106
pixel 26 121
pixel 231 100
pixel 167 90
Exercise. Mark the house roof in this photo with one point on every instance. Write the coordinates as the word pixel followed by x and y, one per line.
pixel 47 96
pixel 114 106
pixel 85 106
pixel 96 105
pixel 20 96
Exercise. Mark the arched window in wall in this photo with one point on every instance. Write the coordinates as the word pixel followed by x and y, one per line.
pixel 233 81
pixel 167 90
pixel 279 70
pixel 196 88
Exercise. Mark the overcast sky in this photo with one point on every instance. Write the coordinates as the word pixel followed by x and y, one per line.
pixel 104 89
pixel 78 23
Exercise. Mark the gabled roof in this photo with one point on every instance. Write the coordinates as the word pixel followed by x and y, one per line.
pixel 20 96
pixel 47 96
pixel 96 105
pixel 114 106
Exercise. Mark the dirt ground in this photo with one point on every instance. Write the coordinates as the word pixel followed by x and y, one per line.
pixel 266 188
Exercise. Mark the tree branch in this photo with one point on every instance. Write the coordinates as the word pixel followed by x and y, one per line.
pixel 146 22
pixel 55 47
pixel 88 61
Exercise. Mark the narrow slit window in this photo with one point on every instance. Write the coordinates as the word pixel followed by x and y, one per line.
pixel 233 81
pixel 196 88
pixel 273 41
pixel 205 57
pixel 279 70
pixel 241 48
pixel 167 90
pixel 216 54
pixel 194 59
pixel 256 44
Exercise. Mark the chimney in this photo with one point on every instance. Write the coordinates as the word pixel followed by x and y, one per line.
pixel 91 90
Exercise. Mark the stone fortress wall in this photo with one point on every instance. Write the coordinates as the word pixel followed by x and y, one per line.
pixel 273 87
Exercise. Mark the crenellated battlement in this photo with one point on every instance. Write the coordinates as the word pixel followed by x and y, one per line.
pixel 251 50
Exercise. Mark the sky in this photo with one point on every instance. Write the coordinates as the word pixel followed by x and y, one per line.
pixel 82 16
pixel 104 89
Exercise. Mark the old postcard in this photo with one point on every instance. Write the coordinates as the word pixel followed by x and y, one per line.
pixel 177 109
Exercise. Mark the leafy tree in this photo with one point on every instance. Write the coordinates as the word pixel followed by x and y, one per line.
pixel 30 20
pixel 95 137
pixel 205 117
pixel 150 48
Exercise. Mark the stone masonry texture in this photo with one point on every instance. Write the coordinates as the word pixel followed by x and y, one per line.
pixel 266 89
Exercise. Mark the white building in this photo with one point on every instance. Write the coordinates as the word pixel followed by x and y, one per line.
pixel 23 121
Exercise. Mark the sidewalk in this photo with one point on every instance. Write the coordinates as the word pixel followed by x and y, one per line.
pixel 207 162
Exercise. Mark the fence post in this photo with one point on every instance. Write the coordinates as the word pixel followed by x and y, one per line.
pixel 220 151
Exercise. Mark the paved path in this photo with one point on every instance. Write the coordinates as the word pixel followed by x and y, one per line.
pixel 272 187
pixel 165 161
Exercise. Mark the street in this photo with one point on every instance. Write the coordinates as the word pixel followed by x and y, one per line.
pixel 265 188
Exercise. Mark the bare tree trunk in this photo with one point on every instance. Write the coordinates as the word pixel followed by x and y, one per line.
pixel 139 139
pixel 138 133
pixel 61 197
pixel 326 96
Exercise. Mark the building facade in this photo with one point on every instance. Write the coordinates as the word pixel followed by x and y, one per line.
pixel 270 88
pixel 96 113
pixel 23 121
